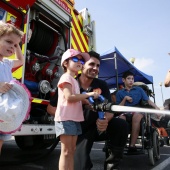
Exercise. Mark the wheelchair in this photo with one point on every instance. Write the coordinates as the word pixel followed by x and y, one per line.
pixel 149 140
pixel 148 135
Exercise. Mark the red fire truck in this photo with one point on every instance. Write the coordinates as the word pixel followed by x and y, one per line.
pixel 50 27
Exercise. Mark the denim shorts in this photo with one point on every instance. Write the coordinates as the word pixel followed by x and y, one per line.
pixel 5 137
pixel 67 128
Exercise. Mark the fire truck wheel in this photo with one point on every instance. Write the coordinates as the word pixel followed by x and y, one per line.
pixel 34 142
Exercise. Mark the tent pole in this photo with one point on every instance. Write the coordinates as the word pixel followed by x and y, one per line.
pixel 153 92
pixel 116 70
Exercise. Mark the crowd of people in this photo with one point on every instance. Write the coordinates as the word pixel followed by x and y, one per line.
pixel 116 140
pixel 77 124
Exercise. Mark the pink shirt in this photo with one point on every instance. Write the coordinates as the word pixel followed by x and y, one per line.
pixel 68 110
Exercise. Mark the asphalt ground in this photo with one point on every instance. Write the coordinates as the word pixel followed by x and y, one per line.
pixel 12 156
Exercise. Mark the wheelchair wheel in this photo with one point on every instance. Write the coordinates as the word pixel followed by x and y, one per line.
pixel 151 156
pixel 168 131
pixel 156 145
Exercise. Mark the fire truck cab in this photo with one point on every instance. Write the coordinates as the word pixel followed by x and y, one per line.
pixel 50 28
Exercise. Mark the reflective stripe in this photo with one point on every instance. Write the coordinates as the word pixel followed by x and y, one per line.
pixel 79 40
pixel 40 101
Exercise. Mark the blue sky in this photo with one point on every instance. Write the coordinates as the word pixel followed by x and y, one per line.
pixel 139 29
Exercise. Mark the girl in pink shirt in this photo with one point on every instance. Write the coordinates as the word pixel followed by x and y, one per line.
pixel 69 111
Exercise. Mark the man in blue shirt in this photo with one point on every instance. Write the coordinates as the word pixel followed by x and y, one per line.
pixel 132 96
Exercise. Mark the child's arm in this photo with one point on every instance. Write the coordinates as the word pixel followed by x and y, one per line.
pixel 4 87
pixel 67 90
pixel 126 98
pixel 19 57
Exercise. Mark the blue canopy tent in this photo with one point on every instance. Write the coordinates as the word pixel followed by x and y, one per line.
pixel 114 64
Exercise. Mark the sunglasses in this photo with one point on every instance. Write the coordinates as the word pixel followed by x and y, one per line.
pixel 75 59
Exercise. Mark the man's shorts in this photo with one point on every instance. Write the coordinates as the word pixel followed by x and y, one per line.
pixel 67 128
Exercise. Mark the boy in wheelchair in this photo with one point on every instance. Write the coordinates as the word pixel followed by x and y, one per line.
pixel 132 96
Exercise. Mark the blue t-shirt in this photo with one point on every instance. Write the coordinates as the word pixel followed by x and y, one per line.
pixel 137 94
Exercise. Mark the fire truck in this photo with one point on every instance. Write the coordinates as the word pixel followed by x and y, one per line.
pixel 50 27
